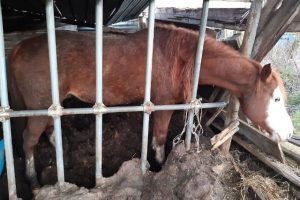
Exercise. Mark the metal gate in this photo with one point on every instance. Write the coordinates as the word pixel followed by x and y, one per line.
pixel 56 110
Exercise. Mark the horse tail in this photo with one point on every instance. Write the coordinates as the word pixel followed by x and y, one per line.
pixel 16 102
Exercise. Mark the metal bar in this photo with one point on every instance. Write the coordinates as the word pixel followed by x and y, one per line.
pixel 99 85
pixel 6 123
pixel 55 89
pixel 189 106
pixel 198 60
pixel 151 20
pixel 116 109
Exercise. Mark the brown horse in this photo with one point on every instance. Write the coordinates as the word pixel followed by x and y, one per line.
pixel 259 89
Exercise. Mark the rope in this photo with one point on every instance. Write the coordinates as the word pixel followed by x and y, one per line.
pixel 197 128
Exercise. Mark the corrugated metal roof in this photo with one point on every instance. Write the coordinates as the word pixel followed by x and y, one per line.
pixel 80 12
pixel 128 10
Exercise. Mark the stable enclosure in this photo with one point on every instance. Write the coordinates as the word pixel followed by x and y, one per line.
pixel 99 109
pixel 56 111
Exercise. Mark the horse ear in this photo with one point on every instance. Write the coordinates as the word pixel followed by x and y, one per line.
pixel 266 72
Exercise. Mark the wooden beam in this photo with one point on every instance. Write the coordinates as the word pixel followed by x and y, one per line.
pixel 260 140
pixel 266 15
pixel 231 117
pixel 294 27
pixel 213 117
pixel 252 25
pixel 212 98
pixel 291 153
pixel 246 49
pixel 295 141
pixel 275 28
pixel 282 169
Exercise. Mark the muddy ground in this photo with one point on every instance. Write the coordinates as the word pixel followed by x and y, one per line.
pixel 122 141
pixel 203 175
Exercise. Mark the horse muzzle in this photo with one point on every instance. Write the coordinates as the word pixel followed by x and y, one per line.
pixel 276 137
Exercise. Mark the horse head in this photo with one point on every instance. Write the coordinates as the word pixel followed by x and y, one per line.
pixel 265 105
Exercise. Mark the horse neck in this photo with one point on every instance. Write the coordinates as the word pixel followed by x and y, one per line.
pixel 239 75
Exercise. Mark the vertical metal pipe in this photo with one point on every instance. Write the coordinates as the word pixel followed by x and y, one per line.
pixel 55 88
pixel 198 60
pixel 151 20
pixel 6 123
pixel 99 90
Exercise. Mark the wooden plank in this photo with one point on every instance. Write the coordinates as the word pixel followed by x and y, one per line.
pixel 212 98
pixel 246 49
pixel 291 153
pixel 295 141
pixel 252 25
pixel 212 118
pixel 231 117
pixel 280 168
pixel 261 141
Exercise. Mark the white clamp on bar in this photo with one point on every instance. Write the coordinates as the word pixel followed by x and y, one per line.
pixel 195 104
pixel 148 107
pixel 99 109
pixel 55 110
pixel 4 113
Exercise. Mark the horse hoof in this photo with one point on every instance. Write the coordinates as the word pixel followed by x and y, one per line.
pixel 35 187
pixel 159 151
pixel 35 191
pixel 160 154
pixel 51 138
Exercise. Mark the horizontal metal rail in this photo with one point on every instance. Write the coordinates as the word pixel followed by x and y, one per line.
pixel 105 110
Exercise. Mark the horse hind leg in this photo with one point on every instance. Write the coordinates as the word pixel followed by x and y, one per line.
pixel 159 150
pixel 50 133
pixel 161 122
pixel 51 138
pixel 34 129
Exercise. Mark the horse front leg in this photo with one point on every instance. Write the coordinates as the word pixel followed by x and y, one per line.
pixel 161 120
pixel 34 129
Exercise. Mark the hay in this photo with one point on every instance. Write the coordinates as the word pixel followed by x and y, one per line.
pixel 258 180
pixel 265 186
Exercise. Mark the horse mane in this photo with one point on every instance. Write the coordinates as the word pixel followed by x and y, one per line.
pixel 180 45
pixel 181 67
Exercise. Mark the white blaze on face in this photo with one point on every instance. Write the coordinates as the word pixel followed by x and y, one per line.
pixel 278 119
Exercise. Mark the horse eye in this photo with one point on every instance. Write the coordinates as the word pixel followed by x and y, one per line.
pixel 277 99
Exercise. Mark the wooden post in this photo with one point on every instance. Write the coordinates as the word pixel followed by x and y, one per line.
pixel 246 49
pixel 266 14
pixel 274 28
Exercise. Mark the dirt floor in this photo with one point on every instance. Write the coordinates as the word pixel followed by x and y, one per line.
pixel 204 175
